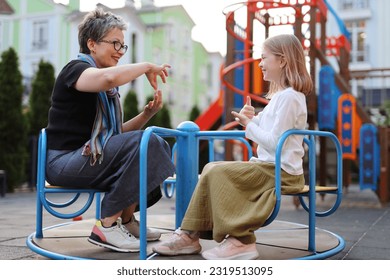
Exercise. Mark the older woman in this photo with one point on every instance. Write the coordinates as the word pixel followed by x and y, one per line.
pixel 89 145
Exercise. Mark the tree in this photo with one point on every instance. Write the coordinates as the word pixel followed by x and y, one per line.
pixel 195 112
pixel 162 118
pixel 204 145
pixel 37 115
pixel 12 122
pixel 130 106
pixel 40 98
pixel 385 111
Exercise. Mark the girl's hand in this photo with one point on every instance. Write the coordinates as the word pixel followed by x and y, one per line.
pixel 248 110
pixel 154 105
pixel 246 113
pixel 155 71
pixel 241 118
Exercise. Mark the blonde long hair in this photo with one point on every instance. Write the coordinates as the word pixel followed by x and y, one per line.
pixel 295 74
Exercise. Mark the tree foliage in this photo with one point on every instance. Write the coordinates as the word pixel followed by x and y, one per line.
pixel 161 119
pixel 130 106
pixel 42 87
pixel 12 121
pixel 386 112
pixel 195 112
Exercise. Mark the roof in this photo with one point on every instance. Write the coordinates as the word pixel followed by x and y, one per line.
pixel 5 8
pixel 158 8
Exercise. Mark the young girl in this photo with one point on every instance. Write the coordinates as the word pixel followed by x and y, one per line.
pixel 233 199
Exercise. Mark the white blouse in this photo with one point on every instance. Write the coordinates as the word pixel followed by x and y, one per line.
pixel 286 110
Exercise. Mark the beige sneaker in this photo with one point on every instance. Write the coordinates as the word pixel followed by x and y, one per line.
pixel 133 227
pixel 116 237
pixel 232 249
pixel 180 243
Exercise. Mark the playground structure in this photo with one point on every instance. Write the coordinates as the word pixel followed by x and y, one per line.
pixel 333 109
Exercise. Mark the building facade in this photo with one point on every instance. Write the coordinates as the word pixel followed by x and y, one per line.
pixel 369 25
pixel 42 29
pixel 194 78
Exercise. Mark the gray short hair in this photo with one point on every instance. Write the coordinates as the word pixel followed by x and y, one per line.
pixel 96 25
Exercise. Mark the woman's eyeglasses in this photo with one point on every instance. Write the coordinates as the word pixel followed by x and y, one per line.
pixel 118 46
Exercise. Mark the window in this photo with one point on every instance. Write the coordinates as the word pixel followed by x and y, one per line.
pixel 185 64
pixel 353 4
pixel 171 30
pixel 209 75
pixel 171 98
pixel 134 43
pixel 186 39
pixel 359 51
pixel 133 54
pixel 40 35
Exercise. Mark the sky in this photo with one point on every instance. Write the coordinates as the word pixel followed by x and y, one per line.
pixel 207 15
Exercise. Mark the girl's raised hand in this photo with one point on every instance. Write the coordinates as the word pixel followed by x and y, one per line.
pixel 248 110
pixel 241 118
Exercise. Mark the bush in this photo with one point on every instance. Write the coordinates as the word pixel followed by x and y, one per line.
pixel 162 118
pixel 37 115
pixel 130 106
pixel 195 112
pixel 40 98
pixel 12 121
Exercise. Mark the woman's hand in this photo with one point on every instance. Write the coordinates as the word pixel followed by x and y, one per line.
pixel 154 105
pixel 142 118
pixel 155 71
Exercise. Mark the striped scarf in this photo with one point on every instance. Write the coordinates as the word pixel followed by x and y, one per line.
pixel 108 119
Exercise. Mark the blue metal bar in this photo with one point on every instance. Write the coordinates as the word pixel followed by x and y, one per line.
pixel 165 132
pixel 98 205
pixel 340 22
pixel 218 134
pixel 77 213
pixel 142 191
pixel 187 137
pixel 49 254
pixel 328 253
pixel 278 184
pixel 211 150
pixel 187 167
pixel 40 181
pixel 339 183
pixel 42 191
pixel 312 178
pixel 48 203
pixel 312 194
pixel 169 186
pixel 334 139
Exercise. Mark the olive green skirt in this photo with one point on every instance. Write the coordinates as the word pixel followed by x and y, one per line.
pixel 235 198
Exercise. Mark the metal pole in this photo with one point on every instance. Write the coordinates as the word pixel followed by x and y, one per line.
pixel 187 167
